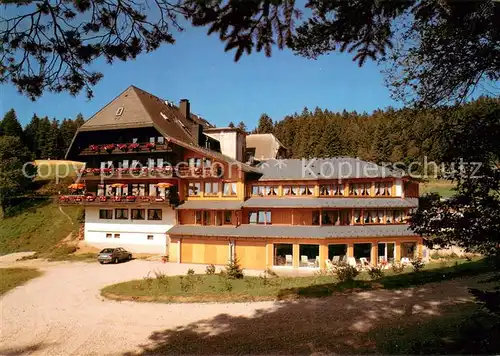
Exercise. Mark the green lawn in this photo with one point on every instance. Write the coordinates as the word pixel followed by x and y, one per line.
pixel 13 277
pixel 36 225
pixel 206 288
pixel 442 187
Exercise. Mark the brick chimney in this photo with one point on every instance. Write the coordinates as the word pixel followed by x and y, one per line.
pixel 185 108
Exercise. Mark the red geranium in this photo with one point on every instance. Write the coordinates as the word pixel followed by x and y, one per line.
pixel 110 147
pixel 94 148
pixel 150 146
pixel 133 146
pixel 122 146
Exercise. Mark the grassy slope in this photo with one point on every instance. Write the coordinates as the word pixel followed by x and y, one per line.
pixel 36 226
pixel 49 169
pixel 443 187
pixel 205 288
pixel 13 277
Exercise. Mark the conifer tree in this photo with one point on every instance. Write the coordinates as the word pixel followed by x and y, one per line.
pixel 32 136
pixel 79 121
pixel 242 126
pixel 265 124
pixel 231 125
pixel 11 126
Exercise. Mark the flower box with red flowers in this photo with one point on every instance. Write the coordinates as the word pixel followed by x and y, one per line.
pixel 122 146
pixel 110 147
pixel 78 198
pixel 63 198
pixel 96 171
pixel 103 198
pixel 90 198
pixel 122 170
pixel 117 198
pixel 133 146
pixel 144 199
pixel 94 148
pixel 82 172
pixel 150 146
pixel 131 198
pixel 108 171
pixel 159 199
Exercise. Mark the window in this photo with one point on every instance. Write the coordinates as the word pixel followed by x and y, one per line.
pixel 121 214
pixel 385 252
pixel 194 189
pixel 331 190
pixel 309 256
pixel 194 162
pixel 100 190
pixel 228 217
pixel 207 163
pixel 337 253
pixel 335 217
pixel 357 216
pixel 134 140
pixel 306 190
pixel 389 218
pixel 218 218
pixel 154 214
pixel 283 255
pixel 105 214
pixel 315 217
pixel 108 236
pixel 149 237
pixel 359 189
pixel 211 188
pixel 383 189
pixel 398 216
pixel 197 217
pixel 258 190
pixel 138 214
pixel 259 217
pixel 408 250
pixel 117 236
pixel 229 189
pixel 291 191
pixel 207 217
pixel 151 140
pixel 161 140
pixel 362 251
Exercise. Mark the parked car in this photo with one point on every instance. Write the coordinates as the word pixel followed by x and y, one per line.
pixel 114 255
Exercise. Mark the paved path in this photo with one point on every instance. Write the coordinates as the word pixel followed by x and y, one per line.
pixel 62 313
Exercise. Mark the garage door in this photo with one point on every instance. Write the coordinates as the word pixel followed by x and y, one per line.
pixel 205 252
pixel 251 254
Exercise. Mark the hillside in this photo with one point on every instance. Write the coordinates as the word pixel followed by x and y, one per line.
pixel 37 225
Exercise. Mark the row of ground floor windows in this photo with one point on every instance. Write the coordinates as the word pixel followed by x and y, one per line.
pixel 309 253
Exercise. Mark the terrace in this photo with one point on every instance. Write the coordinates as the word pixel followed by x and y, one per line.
pixel 120 148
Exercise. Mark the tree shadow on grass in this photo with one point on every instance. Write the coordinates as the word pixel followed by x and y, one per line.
pixel 23 350
pixel 338 324
pixel 24 205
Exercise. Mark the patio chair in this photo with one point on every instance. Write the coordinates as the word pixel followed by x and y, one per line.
pixel 364 263
pixel 288 260
pixel 351 261
pixel 304 260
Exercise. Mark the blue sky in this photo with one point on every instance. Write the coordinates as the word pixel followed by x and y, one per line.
pixel 220 90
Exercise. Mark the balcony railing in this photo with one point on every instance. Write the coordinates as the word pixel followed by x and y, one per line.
pixel 156 172
pixel 111 200
pixel 113 148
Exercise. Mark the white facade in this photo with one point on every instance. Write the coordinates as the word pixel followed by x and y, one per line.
pixel 232 142
pixel 140 236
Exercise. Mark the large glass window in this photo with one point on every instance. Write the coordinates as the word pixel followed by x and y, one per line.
pixel 258 190
pixel 229 189
pixel 290 190
pixel 283 255
pixel 138 214
pixel 408 250
pixel 211 188
pixel 259 217
pixel 383 189
pixel 194 189
pixel 105 214
pixel 362 251
pixel 306 190
pixel 121 214
pixel 386 252
pixel 335 217
pixel 154 214
pixel 309 256
pixel 359 189
pixel 331 190
pixel 337 253
pixel 207 217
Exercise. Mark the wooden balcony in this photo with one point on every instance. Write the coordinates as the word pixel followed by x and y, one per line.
pixel 91 200
pixel 149 173
pixel 107 149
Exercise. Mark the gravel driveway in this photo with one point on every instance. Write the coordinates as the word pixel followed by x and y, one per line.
pixel 62 313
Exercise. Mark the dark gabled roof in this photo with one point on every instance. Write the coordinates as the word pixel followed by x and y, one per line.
pixel 297 202
pixel 323 168
pixel 211 205
pixel 292 231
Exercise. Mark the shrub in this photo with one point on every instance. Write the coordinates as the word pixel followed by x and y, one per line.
pixel 190 272
pixel 346 273
pixel 186 283
pixel 376 272
pixel 398 267
pixel 210 269
pixel 227 286
pixel 234 270
pixel 417 264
